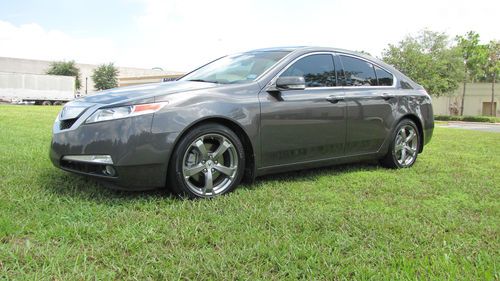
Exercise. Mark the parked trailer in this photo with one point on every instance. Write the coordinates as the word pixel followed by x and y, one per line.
pixel 40 89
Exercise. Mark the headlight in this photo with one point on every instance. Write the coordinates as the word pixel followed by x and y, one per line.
pixel 112 113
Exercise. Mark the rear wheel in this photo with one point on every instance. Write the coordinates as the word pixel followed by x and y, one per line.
pixel 404 147
pixel 46 102
pixel 208 161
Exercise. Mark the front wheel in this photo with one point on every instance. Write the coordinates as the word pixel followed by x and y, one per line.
pixel 404 147
pixel 208 161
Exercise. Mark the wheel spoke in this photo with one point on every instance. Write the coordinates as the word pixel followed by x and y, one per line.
pixel 191 171
pixel 221 149
pixel 410 150
pixel 403 156
pixel 209 182
pixel 403 133
pixel 201 147
pixel 411 136
pixel 398 147
pixel 225 170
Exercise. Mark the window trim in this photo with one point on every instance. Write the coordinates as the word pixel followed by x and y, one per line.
pixel 273 81
pixel 394 82
pixel 333 54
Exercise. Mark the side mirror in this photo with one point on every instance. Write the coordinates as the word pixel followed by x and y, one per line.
pixel 291 83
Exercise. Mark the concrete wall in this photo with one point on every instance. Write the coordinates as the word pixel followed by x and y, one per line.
pixel 29 66
pixel 19 86
pixel 477 94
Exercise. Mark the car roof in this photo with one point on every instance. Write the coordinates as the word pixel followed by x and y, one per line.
pixel 299 50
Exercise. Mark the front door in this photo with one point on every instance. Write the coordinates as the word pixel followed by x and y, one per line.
pixel 304 125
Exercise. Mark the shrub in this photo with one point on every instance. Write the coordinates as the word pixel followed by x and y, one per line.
pixel 487 119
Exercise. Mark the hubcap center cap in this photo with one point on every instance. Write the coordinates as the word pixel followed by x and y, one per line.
pixel 209 164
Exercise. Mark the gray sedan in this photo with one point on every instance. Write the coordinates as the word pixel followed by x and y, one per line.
pixel 246 115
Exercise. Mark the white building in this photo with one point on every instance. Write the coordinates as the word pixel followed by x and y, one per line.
pixel 477 101
pixel 129 75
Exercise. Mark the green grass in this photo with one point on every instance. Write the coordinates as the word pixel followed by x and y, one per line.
pixel 437 220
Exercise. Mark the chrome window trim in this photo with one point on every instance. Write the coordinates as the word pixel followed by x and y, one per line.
pixel 394 82
pixel 393 86
pixel 273 80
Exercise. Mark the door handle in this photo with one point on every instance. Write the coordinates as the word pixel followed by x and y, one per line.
pixel 387 96
pixel 335 99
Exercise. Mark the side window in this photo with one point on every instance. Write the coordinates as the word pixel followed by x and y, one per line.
pixel 384 78
pixel 317 70
pixel 358 72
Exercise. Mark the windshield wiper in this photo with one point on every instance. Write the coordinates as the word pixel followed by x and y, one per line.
pixel 202 80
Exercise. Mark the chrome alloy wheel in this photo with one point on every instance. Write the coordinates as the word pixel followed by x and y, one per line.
pixel 210 165
pixel 405 149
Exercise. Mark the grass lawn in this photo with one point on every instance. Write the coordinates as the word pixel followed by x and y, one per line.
pixel 437 220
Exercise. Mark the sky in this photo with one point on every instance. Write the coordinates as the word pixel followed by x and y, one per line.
pixel 179 35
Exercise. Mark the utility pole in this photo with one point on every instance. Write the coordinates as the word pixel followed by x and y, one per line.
pixel 463 93
pixel 493 107
pixel 86 82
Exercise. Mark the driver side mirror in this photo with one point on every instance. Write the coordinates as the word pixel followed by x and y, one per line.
pixel 291 83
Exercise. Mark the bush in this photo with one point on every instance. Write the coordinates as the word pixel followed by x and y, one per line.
pixel 487 119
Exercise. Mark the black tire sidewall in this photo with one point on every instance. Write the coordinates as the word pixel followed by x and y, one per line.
pixel 175 178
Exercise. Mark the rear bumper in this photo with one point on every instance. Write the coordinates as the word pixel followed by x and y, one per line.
pixel 139 157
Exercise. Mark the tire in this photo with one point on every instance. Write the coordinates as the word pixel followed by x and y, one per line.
pixel 57 103
pixel 208 161
pixel 46 102
pixel 404 147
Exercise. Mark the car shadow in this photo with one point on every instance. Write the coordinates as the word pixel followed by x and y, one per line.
pixel 67 184
pixel 313 173
pixel 78 186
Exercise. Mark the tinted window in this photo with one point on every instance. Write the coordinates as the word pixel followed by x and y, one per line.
pixel 384 78
pixel 358 72
pixel 317 70
pixel 406 85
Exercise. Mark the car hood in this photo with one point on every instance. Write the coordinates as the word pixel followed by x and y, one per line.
pixel 132 93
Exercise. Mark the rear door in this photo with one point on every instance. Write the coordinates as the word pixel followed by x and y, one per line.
pixel 370 99
pixel 304 125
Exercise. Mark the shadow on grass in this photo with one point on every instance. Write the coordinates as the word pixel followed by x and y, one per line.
pixel 79 186
pixel 313 173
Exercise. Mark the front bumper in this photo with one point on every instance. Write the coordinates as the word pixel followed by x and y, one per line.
pixel 139 157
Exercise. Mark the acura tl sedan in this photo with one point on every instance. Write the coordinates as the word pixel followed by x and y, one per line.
pixel 246 115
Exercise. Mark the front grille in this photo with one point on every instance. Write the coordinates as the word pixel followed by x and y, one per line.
pixel 66 124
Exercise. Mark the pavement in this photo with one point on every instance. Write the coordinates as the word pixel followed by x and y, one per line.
pixel 485 127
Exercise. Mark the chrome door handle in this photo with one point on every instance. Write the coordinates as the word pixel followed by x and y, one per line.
pixel 387 96
pixel 335 99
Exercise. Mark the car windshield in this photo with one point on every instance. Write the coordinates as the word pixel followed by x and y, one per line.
pixel 240 68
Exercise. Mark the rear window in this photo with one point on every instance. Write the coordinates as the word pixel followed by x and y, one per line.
pixel 358 72
pixel 384 78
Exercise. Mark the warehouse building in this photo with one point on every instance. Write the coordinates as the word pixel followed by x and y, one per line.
pixel 17 69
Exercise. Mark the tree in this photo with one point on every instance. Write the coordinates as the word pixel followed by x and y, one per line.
pixel 474 59
pixel 429 59
pixel 105 76
pixel 492 69
pixel 65 68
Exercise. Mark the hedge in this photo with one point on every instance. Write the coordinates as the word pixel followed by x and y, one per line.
pixel 488 119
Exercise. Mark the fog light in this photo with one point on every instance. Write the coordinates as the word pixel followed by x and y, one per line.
pixel 109 171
